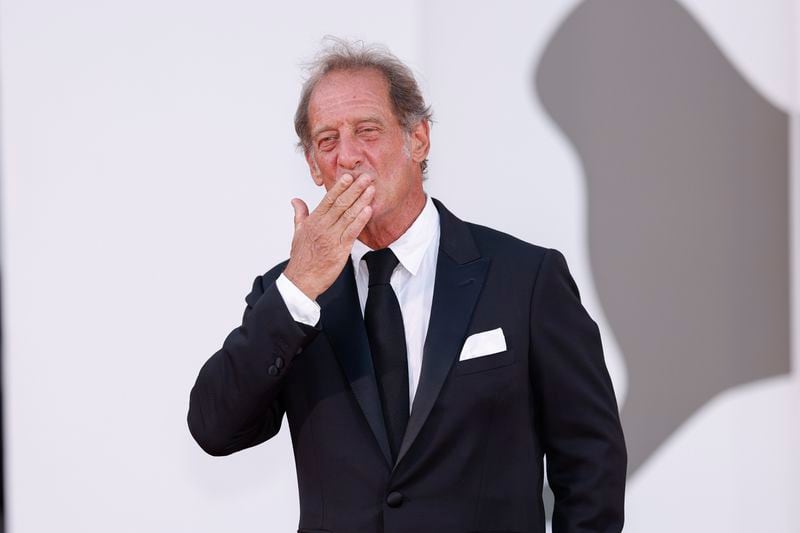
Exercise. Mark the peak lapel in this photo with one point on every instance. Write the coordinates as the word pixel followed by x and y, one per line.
pixel 344 326
pixel 460 274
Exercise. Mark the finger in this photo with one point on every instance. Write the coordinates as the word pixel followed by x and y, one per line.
pixel 355 228
pixel 347 198
pixel 300 211
pixel 352 212
pixel 330 197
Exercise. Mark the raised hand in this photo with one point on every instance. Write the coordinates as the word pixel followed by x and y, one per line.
pixel 324 238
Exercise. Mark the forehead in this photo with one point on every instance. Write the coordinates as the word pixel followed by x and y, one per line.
pixel 348 95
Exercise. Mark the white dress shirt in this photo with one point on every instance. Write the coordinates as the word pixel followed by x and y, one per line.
pixel 412 280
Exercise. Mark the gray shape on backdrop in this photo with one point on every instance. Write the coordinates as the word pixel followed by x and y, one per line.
pixel 687 174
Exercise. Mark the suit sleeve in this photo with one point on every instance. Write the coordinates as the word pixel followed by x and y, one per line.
pixel 236 401
pixel 580 425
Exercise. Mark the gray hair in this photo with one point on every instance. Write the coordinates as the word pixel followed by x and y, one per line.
pixel 409 106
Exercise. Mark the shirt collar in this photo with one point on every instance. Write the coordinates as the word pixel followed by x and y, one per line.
pixel 411 246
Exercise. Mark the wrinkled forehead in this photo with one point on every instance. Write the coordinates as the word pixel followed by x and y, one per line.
pixel 345 94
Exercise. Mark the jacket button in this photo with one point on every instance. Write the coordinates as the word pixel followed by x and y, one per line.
pixel 394 499
pixel 273 370
pixel 279 362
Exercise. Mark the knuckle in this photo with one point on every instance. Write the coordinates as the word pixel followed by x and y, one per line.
pixel 350 213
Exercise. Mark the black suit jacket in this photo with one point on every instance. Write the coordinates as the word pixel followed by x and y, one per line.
pixel 471 458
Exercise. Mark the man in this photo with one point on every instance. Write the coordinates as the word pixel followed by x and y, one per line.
pixel 425 364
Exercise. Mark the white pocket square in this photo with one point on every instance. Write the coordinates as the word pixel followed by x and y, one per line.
pixel 483 343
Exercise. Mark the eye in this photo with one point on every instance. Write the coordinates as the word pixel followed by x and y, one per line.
pixel 326 144
pixel 368 131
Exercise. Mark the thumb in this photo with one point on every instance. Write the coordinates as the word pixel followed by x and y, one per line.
pixel 300 210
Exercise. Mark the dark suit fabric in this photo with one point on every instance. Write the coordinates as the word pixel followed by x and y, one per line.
pixel 471 457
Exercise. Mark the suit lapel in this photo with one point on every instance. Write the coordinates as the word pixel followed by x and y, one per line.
pixel 343 324
pixel 460 274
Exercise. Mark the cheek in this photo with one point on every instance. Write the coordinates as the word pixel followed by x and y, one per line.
pixel 325 159
pixel 389 161
pixel 326 165
pixel 328 180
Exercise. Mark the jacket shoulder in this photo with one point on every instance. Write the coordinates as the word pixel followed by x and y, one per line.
pixel 495 243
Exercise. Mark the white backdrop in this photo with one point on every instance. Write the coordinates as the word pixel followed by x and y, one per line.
pixel 146 148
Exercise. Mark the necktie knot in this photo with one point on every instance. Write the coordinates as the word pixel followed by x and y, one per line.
pixel 381 264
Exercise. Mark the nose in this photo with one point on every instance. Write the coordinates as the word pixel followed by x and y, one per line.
pixel 350 153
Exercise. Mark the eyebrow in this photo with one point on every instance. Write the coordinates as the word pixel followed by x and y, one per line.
pixel 371 118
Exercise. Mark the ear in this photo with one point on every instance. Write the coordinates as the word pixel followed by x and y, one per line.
pixel 420 141
pixel 313 168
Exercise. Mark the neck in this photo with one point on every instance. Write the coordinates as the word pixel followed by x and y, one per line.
pixel 382 231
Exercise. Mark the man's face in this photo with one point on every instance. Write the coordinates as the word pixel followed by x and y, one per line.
pixel 354 131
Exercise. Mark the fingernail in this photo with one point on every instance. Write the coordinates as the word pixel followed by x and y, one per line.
pixel 347 178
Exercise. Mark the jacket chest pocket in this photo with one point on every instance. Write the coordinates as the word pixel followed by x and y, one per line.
pixel 484 363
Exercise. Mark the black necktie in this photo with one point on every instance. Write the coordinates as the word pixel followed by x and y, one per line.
pixel 387 342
